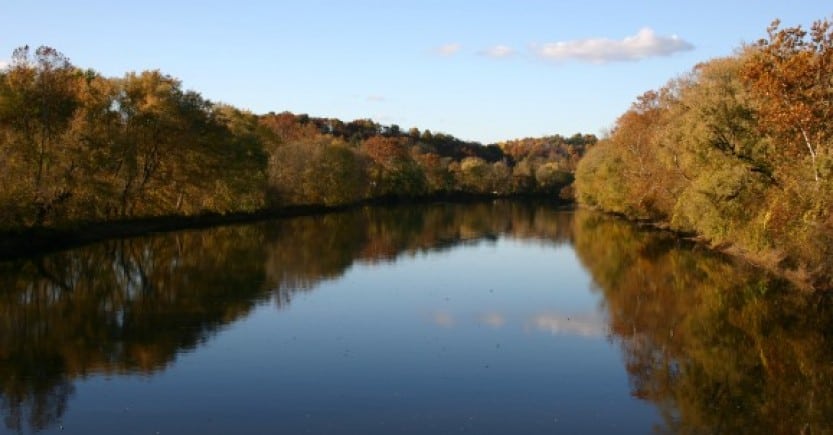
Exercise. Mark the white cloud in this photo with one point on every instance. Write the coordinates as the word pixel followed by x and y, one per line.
pixel 448 49
pixel 646 43
pixel 376 98
pixel 3 64
pixel 498 51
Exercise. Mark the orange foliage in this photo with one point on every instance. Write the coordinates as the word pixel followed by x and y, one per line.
pixel 386 151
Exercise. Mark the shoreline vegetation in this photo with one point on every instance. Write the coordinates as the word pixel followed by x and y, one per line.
pixel 84 157
pixel 737 154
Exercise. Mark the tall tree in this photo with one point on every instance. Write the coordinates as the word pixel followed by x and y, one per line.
pixel 37 102
pixel 792 75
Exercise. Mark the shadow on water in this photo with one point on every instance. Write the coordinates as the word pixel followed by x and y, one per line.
pixel 717 346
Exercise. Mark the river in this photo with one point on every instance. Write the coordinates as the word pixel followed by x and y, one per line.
pixel 496 317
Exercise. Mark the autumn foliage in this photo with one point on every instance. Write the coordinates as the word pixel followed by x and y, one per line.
pixel 77 147
pixel 715 344
pixel 738 151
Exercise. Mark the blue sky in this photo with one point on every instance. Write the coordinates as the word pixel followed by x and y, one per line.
pixel 480 70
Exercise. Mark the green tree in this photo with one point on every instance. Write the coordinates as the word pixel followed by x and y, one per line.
pixel 316 173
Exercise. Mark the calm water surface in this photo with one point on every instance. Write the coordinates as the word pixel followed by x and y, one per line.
pixel 501 317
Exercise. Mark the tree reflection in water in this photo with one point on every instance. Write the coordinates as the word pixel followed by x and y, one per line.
pixel 717 345
pixel 130 306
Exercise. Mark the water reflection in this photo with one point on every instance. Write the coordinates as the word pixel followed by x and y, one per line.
pixel 495 320
pixel 130 306
pixel 581 325
pixel 715 345
pixel 118 307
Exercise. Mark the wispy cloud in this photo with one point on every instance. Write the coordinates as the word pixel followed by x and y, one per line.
pixel 448 49
pixel 646 43
pixel 376 98
pixel 498 51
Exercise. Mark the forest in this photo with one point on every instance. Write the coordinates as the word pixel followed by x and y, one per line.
pixel 78 148
pixel 738 152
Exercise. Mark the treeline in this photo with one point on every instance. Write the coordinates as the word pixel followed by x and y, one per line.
pixel 76 146
pixel 326 161
pixel 738 151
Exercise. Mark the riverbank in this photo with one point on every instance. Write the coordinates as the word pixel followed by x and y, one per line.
pixel 736 152
pixel 769 261
pixel 34 241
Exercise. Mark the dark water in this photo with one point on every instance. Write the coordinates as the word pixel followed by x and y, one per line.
pixel 503 317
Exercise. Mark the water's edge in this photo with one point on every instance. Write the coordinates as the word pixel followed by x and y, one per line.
pixel 34 241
